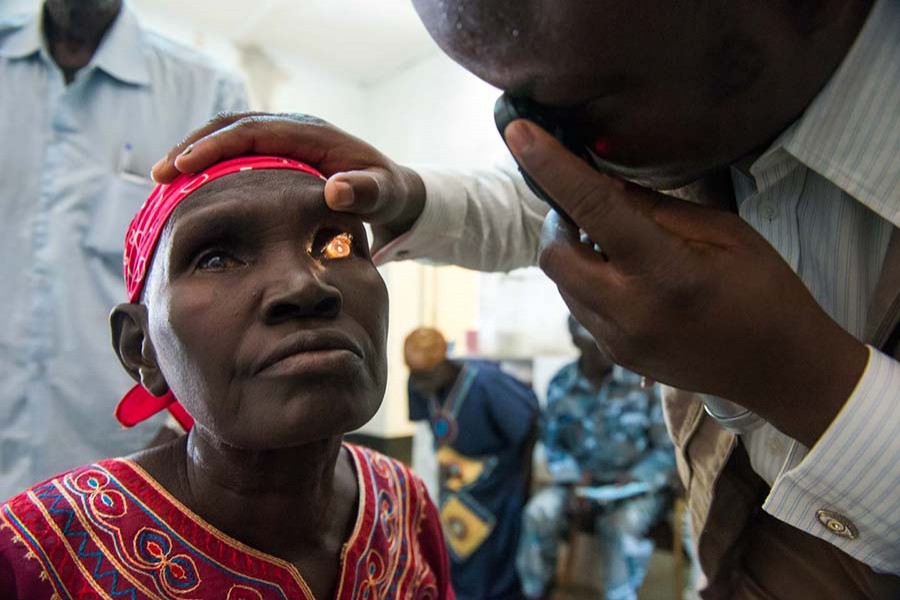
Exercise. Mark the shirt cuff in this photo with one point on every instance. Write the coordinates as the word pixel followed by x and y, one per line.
pixel 442 220
pixel 845 490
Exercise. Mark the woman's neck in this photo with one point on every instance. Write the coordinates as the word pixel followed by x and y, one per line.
pixel 289 502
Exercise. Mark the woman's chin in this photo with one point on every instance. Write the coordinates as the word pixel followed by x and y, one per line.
pixel 304 422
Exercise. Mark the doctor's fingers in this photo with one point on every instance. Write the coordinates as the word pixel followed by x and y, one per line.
pixel 575 266
pixel 304 138
pixel 615 213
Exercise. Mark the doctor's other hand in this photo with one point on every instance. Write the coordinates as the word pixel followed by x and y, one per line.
pixel 690 296
pixel 361 179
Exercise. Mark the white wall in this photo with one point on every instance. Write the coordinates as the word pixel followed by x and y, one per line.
pixel 436 113
pixel 14 7
pixel 432 112
pixel 278 82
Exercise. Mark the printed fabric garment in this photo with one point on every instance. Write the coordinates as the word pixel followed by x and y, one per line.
pixel 75 167
pixel 613 432
pixel 108 530
pixel 620 531
pixel 481 429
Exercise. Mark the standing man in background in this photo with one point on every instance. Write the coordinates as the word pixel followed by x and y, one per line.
pixel 484 423
pixel 89 102
pixel 601 428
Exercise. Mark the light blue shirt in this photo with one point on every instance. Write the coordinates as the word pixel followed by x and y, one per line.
pixel 611 432
pixel 74 168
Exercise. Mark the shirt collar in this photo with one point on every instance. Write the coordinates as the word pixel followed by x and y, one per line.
pixel 120 54
pixel 24 41
pixel 849 133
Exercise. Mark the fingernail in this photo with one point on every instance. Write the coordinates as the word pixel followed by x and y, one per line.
pixel 188 150
pixel 519 136
pixel 343 196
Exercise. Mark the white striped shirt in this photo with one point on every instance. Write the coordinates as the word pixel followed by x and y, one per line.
pixel 826 195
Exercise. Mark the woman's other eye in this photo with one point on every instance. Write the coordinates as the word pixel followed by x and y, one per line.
pixel 217 260
pixel 339 246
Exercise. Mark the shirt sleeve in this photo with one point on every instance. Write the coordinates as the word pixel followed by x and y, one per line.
pixel 657 464
pixel 513 406
pixel 561 464
pixel 486 220
pixel 845 491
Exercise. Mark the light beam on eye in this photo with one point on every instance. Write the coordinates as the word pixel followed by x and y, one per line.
pixel 340 246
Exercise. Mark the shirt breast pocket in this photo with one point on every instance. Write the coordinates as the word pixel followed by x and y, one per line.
pixel 113 212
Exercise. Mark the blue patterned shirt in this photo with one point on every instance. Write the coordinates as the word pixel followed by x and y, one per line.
pixel 612 432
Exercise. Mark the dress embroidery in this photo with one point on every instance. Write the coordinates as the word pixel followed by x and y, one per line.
pixel 108 530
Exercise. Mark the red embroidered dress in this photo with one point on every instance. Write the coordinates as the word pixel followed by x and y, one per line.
pixel 108 530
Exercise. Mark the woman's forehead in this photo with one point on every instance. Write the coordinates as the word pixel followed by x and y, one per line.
pixel 253 189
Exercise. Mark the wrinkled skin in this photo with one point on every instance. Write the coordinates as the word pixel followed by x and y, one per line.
pixel 211 327
pixel 247 266
pixel 673 89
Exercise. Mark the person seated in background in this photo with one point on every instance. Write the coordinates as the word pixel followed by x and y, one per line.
pixel 256 316
pixel 601 427
pixel 484 423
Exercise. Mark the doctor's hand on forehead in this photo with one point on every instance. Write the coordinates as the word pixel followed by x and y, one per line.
pixel 687 295
pixel 362 180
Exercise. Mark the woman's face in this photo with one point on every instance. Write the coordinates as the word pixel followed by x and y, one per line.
pixel 266 313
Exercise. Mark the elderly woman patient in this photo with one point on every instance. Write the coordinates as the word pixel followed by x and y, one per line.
pixel 257 317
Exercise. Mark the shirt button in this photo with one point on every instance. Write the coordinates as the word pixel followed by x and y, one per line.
pixel 776 447
pixel 768 210
pixel 837 524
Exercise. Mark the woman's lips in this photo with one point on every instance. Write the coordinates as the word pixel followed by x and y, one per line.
pixel 311 351
pixel 312 361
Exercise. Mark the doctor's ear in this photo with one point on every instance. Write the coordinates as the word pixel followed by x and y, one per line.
pixel 133 346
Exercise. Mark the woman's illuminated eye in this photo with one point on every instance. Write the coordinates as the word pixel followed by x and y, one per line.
pixel 340 246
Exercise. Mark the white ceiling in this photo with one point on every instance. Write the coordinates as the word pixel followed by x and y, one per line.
pixel 362 40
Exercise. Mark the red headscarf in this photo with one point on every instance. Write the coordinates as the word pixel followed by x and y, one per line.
pixel 140 243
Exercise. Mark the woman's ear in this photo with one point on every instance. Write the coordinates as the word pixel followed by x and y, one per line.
pixel 133 346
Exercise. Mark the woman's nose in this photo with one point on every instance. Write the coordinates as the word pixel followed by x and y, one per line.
pixel 298 292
